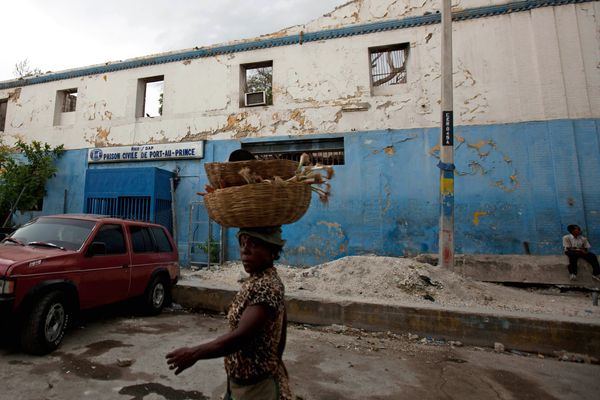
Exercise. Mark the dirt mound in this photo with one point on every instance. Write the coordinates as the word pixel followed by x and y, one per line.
pixel 391 280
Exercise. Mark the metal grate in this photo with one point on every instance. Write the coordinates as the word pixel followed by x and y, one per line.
pixel 388 64
pixel 136 208
pixel 322 151
pixel 164 214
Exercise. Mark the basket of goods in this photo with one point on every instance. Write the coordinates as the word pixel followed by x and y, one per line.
pixel 226 174
pixel 261 201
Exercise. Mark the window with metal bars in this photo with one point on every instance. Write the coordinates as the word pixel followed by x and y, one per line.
pixel 388 64
pixel 328 151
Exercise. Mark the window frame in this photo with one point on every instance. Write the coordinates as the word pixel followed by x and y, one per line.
pixel 140 102
pixel 326 151
pixel 3 113
pixel 101 229
pixel 385 88
pixel 244 68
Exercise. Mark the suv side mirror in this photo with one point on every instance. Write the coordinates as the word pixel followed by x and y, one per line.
pixel 97 248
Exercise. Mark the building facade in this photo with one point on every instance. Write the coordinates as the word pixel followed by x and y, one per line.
pixel 358 88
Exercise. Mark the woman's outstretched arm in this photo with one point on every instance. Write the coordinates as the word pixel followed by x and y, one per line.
pixel 253 320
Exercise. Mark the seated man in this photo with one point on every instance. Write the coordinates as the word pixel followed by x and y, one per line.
pixel 576 245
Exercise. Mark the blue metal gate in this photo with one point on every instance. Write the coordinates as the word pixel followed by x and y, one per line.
pixel 142 194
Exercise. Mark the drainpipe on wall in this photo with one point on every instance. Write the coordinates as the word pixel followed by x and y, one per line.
pixel 446 164
pixel 174 180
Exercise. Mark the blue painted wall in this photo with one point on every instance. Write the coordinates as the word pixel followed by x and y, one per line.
pixel 515 183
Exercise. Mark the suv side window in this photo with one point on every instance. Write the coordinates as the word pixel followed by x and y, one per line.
pixel 141 239
pixel 112 236
pixel 162 242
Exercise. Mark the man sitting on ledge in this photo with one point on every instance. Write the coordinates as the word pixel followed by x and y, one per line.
pixel 576 245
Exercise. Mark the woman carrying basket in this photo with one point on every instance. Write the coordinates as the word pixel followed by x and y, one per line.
pixel 254 346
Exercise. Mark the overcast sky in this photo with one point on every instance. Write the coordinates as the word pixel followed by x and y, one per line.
pixel 62 34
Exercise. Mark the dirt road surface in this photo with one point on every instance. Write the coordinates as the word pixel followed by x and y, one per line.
pixel 115 355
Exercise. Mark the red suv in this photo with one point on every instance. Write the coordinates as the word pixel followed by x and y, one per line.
pixel 54 266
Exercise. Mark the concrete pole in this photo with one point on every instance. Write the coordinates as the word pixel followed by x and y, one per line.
pixel 446 165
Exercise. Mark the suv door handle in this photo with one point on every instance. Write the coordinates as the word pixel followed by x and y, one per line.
pixel 125 266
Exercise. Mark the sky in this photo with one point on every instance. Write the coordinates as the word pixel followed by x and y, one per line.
pixel 54 35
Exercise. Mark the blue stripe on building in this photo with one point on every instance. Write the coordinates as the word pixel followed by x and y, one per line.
pixel 514 183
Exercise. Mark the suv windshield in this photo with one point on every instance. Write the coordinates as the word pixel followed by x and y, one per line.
pixel 53 232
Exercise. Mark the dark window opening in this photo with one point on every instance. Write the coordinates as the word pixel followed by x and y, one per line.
pixel 113 239
pixel 161 240
pixel 256 84
pixel 3 107
pixel 68 100
pixel 388 64
pixel 141 239
pixel 322 151
pixel 150 97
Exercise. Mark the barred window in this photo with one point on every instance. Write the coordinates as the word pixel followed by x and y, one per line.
pixel 388 64
pixel 328 151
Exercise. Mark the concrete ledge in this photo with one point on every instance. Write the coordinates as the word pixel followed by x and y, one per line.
pixel 518 331
pixel 510 268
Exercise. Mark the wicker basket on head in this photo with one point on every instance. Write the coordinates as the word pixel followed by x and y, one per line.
pixel 258 204
pixel 226 174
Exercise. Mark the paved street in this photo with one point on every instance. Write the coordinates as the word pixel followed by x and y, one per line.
pixel 114 355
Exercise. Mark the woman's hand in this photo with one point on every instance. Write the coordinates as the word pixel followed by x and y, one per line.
pixel 181 359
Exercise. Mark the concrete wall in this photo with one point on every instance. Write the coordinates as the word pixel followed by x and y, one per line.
pixel 385 198
pixel 527 106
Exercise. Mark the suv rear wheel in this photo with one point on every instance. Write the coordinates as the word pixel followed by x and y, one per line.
pixel 156 296
pixel 46 324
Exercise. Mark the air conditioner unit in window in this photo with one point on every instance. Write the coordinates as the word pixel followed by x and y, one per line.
pixel 256 99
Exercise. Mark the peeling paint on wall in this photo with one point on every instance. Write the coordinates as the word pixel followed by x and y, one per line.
pixel 97 110
pixel 14 95
pixel 511 186
pixel 101 137
pixel 477 215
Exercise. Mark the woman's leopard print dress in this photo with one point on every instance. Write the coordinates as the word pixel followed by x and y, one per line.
pixel 260 357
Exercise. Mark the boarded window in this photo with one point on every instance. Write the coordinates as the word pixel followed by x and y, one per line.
pixel 388 65
pixel 3 107
pixel 328 151
pixel 256 84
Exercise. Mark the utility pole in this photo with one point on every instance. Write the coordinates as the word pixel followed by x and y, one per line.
pixel 446 164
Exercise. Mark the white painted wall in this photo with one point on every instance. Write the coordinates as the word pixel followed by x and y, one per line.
pixel 523 66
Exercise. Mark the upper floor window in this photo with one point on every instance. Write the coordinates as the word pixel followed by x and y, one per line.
pixel 256 84
pixel 66 104
pixel 149 100
pixel 388 66
pixel 68 100
pixel 3 107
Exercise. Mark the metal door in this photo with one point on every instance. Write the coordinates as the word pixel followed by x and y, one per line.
pixel 206 238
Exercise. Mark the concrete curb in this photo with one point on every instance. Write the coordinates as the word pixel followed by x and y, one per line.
pixel 523 332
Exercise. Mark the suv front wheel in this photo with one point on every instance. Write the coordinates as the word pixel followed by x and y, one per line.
pixel 46 324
